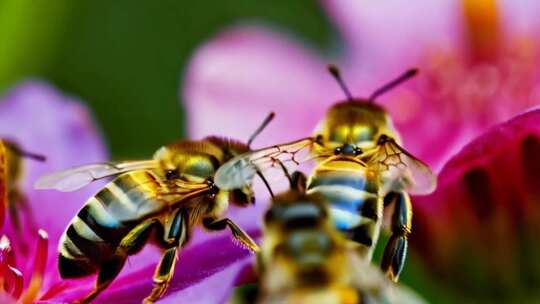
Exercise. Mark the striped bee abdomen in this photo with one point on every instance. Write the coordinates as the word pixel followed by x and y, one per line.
pixel 350 190
pixel 94 234
pixel 355 207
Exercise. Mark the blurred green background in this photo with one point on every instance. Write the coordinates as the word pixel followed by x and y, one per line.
pixel 126 58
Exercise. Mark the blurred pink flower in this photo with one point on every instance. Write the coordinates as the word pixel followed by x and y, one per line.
pixel 478 232
pixel 477 64
pixel 41 119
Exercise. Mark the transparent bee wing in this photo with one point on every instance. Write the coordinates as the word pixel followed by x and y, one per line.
pixel 375 287
pixel 167 194
pixel 401 171
pixel 181 190
pixel 78 177
pixel 241 170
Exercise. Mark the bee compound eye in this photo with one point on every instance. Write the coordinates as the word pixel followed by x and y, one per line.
pixel 338 150
pixel 357 151
pixel 171 174
pixel 212 185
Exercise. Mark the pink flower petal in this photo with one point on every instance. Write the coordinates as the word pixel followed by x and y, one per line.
pixel 42 120
pixel 384 43
pixel 205 273
pixel 244 73
pixel 520 16
pixel 484 215
pixel 392 34
pixel 241 75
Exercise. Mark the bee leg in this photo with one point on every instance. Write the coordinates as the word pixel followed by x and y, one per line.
pixel 130 244
pixel 237 232
pixel 26 208
pixel 396 249
pixel 17 203
pixel 15 218
pixel 107 273
pixel 14 215
pixel 178 235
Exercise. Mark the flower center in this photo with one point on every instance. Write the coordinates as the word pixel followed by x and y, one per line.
pixel 488 81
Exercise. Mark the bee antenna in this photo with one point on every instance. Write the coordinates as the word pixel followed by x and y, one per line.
pixel 259 173
pixel 337 75
pixel 26 154
pixel 403 77
pixel 287 174
pixel 263 125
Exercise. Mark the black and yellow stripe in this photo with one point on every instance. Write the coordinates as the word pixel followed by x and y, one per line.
pixel 355 206
pixel 94 234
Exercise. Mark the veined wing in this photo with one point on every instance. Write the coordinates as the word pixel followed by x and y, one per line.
pixel 241 170
pixel 401 170
pixel 139 194
pixel 78 177
pixel 180 190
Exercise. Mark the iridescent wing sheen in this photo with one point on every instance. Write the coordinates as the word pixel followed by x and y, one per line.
pixel 241 170
pixel 400 170
pixel 78 177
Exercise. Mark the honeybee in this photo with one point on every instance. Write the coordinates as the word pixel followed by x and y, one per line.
pixel 304 259
pixel 11 196
pixel 158 200
pixel 361 169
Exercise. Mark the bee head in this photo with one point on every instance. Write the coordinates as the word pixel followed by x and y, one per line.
pixel 310 249
pixel 356 124
pixel 229 147
pixel 349 128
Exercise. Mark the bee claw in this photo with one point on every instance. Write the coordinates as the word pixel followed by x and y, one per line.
pixel 250 247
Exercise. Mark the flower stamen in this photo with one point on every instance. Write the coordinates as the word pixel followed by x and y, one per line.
pixel 481 28
pixel 40 262
pixel 11 279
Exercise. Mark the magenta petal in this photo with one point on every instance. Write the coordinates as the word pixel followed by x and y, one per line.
pixel 220 284
pixel 391 34
pixel 44 121
pixel 485 214
pixel 502 139
pixel 6 299
pixel 205 273
pixel 521 16
pixel 242 74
